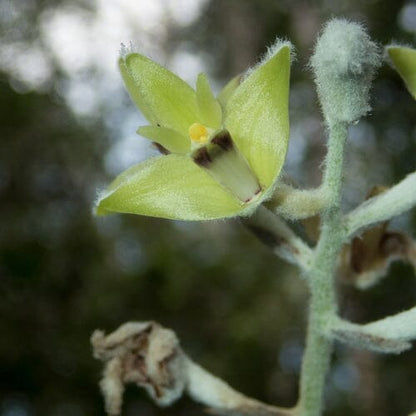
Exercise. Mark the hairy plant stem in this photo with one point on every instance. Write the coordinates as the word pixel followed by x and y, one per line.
pixel 318 350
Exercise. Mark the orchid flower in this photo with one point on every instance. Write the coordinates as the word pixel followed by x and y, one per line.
pixel 220 156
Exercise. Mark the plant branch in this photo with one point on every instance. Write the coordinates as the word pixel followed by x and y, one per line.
pixel 297 204
pixel 388 335
pixel 318 350
pixel 395 201
pixel 211 391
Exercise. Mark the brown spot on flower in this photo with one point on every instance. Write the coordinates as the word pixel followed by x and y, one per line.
pixel 201 157
pixel 223 139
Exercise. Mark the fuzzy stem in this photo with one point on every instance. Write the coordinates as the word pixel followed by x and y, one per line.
pixel 318 350
pixel 296 204
pixel 394 201
pixel 221 398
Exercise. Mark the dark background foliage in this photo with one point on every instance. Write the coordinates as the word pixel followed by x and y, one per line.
pixel 237 309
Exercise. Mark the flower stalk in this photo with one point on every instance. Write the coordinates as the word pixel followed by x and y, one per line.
pixel 322 307
pixel 277 235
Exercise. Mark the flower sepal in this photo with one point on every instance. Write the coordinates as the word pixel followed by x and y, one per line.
pixel 404 61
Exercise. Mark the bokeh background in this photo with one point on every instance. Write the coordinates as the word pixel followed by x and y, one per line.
pixel 67 127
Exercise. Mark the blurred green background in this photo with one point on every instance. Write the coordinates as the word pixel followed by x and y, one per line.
pixel 67 127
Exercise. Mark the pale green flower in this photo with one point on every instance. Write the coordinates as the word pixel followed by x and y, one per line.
pixel 221 157
pixel 404 61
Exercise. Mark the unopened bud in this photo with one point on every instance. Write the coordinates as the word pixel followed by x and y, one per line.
pixel 344 62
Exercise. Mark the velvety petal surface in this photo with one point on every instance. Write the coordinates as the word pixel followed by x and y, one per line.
pixel 163 97
pixel 225 94
pixel 171 186
pixel 168 138
pixel 257 116
pixel 404 60
pixel 209 107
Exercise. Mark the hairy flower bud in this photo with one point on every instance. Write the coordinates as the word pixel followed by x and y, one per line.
pixel 344 62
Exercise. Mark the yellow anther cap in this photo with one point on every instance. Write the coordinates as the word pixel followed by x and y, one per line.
pixel 198 133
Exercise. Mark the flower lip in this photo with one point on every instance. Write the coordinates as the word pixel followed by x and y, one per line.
pixel 224 162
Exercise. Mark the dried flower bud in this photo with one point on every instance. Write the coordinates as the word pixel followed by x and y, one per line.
pixel 143 353
pixel 367 258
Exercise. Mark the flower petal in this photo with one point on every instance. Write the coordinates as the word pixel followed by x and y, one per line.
pixel 161 96
pixel 168 138
pixel 171 186
pixel 209 107
pixel 258 119
pixel 404 61
pixel 225 94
